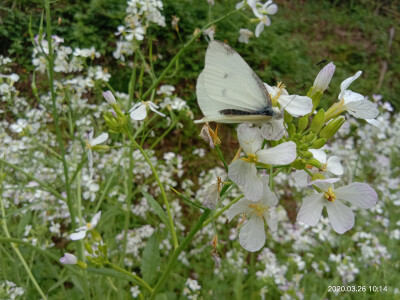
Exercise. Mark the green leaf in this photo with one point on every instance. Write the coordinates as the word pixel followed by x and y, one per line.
pixel 151 259
pixel 157 207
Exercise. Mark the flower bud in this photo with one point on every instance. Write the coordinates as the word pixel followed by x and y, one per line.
pixel 82 264
pixel 101 148
pixel 331 128
pixel 314 162
pixel 109 98
pixel 95 235
pixel 318 121
pixel 303 122
pixel 298 164
pixel 310 137
pixel 319 143
pixel 287 117
pixel 307 154
pixel 317 176
pixel 88 248
pixel 291 130
pixel 69 259
pixel 324 77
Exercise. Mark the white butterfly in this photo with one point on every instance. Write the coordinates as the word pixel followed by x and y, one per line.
pixel 228 90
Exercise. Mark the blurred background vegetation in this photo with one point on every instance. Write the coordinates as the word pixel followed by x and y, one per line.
pixel 355 35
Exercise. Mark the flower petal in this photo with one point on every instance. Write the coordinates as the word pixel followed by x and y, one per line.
pixel 311 209
pixel 271 219
pixel 319 155
pixel 95 219
pixel 357 193
pixel 340 216
pixel 268 198
pixel 350 96
pixel 100 139
pixel 252 235
pixel 301 178
pixel 240 207
pixel 249 138
pixel 334 166
pixel 259 29
pixel 362 109
pixel 139 113
pixel 282 154
pixel 244 174
pixel 325 184
pixel 273 130
pixel 296 105
pixel 80 235
pixel 68 259
pixel 346 83
pixel 272 9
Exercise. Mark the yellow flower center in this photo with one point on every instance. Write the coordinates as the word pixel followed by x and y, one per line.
pixel 258 209
pixel 251 158
pixel 323 167
pixel 88 146
pixel 88 225
pixel 330 195
pixel 274 100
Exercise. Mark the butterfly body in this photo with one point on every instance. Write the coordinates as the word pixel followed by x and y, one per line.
pixel 228 90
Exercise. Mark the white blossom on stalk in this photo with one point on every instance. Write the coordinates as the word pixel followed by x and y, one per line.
pixel 340 216
pixel 68 259
pixel 81 232
pixel 243 171
pixel 139 111
pixel 324 77
pixel 354 103
pixel 245 34
pixel 295 105
pixel 331 165
pixel 252 233
pixel 90 144
pixel 268 8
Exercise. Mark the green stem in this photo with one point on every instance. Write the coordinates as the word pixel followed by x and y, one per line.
pixel 164 196
pixel 222 158
pixel 139 280
pixel 183 49
pixel 55 114
pixel 21 258
pixel 178 251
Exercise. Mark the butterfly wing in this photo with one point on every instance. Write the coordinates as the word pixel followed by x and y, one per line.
pixel 228 83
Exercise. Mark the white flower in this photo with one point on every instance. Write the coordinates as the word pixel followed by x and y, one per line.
pixel 340 216
pixel 68 259
pixel 90 144
pixel 139 110
pixel 268 8
pixel 252 234
pixel 324 77
pixel 295 105
pixel 355 103
pixel 80 233
pixel 332 165
pixel 109 98
pixel 19 126
pixel 243 170
pixel 245 34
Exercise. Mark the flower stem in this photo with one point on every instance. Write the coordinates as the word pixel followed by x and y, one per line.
pixel 164 196
pixel 139 280
pixel 176 253
pixel 16 250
